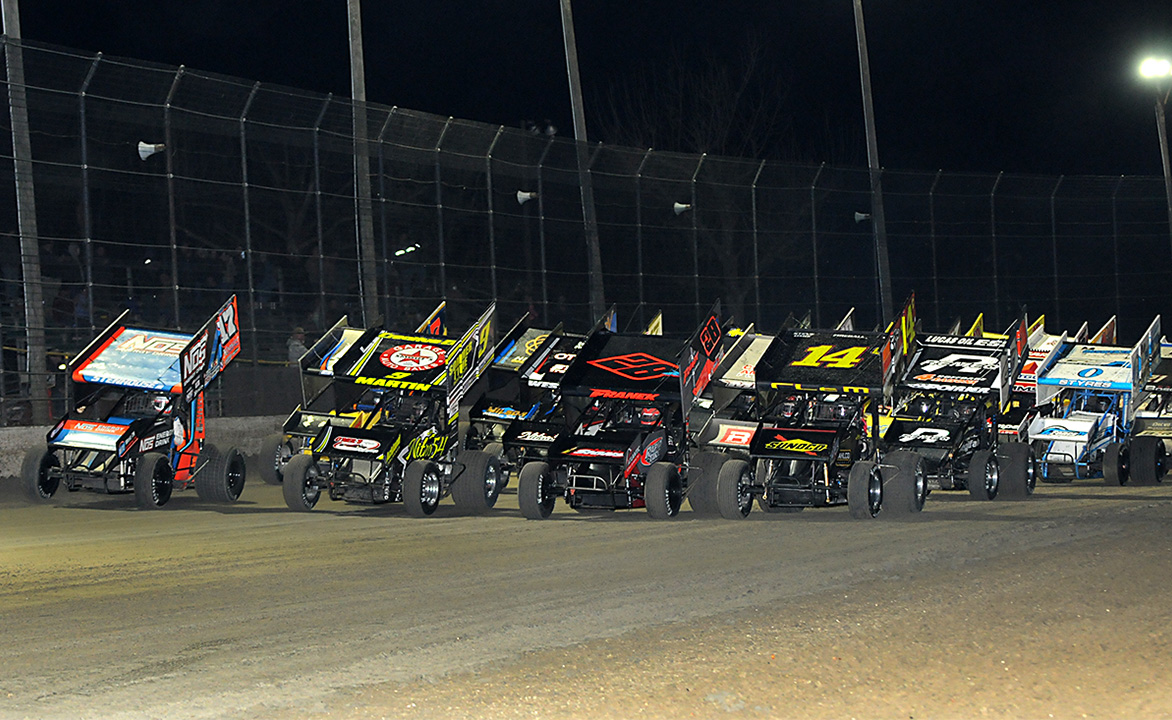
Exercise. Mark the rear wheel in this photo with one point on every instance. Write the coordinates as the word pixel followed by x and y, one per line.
pixel 153 481
pixel 864 490
pixel 276 450
pixel 421 488
pixel 1115 465
pixel 300 484
pixel 984 475
pixel 221 478
pixel 1147 460
pixel 476 489
pixel 535 491
pixel 734 490
pixel 905 483
pixel 37 478
pixel 702 479
pixel 1021 471
pixel 664 492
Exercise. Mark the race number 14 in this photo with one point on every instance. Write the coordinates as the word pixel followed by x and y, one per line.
pixel 822 356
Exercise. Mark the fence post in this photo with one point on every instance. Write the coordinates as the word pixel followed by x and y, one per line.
pixel 1054 247
pixel 321 263
pixel 541 229
pixel 86 219
pixel 382 213
pixel 247 217
pixel 1115 243
pixel 439 209
pixel 169 155
pixel 491 231
pixel 756 264
pixel 814 243
pixel 993 245
pixel 696 241
pixel 932 237
pixel 639 234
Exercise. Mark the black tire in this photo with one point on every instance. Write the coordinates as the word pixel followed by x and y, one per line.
pixel 734 490
pixel 664 491
pixel 36 480
pixel 276 450
pixel 300 484
pixel 153 481
pixel 535 491
pixel 1147 460
pixel 702 479
pixel 497 450
pixel 984 476
pixel 1020 474
pixel 221 477
pixel 1116 465
pixel 476 489
pixel 905 483
pixel 422 488
pixel 864 490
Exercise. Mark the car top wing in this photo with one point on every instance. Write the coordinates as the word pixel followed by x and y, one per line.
pixel 969 364
pixel 1103 367
pixel 210 351
pixel 131 357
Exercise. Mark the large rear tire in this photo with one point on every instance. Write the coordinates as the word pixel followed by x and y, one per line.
pixel 905 483
pixel 1020 474
pixel 300 483
pixel 664 491
pixel 476 489
pixel 276 450
pixel 734 490
pixel 984 476
pixel 422 488
pixel 703 476
pixel 221 478
pixel 36 477
pixel 1115 465
pixel 1147 460
pixel 153 481
pixel 864 490
pixel 535 491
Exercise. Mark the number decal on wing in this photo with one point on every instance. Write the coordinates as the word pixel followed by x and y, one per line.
pixel 822 356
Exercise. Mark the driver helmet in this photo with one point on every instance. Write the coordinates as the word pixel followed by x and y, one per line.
pixel 649 416
pixel 792 406
pixel 925 406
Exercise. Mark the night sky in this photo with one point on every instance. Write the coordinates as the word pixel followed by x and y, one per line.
pixel 1024 86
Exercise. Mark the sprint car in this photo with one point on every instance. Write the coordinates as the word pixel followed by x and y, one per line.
pixel 810 443
pixel 137 421
pixel 1088 397
pixel 392 434
pixel 625 399
pixel 947 407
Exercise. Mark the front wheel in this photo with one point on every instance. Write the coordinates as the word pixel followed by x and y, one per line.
pixel 905 482
pixel 1021 471
pixel 37 476
pixel 664 492
pixel 300 484
pixel 734 490
pixel 421 488
pixel 984 475
pixel 276 451
pixel 864 490
pixel 476 489
pixel 153 481
pixel 1115 465
pixel 535 491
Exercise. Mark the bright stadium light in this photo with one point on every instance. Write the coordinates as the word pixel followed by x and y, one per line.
pixel 1159 71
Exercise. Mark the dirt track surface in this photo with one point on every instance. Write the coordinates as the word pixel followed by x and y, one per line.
pixel 1054 607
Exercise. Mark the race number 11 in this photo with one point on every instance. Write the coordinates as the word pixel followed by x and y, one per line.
pixel 821 356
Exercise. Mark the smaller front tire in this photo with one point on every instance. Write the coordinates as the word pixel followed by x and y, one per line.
pixel 36 474
pixel 1021 471
pixel 276 451
pixel 153 481
pixel 1115 465
pixel 905 483
pixel 734 490
pixel 984 475
pixel 535 491
pixel 664 493
pixel 864 490
pixel 422 488
pixel 300 483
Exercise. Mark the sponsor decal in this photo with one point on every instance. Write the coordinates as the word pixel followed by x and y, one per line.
pixel 153 345
pixel 391 383
pixel 961 364
pixel 155 441
pixel 357 445
pixel 637 366
pixel 535 436
pixel 412 357
pixel 193 362
pixel 532 347
pixel 796 445
pixel 925 435
pixel 1061 432
pixel 747 370
pixel 503 413
pixel 820 388
pixel 653 451
pixel 595 453
pixel 735 436
pixel 103 428
pixel 622 394
pixel 947 379
pixel 955 340
pixel 125 445
pixel 427 446
pixel 710 336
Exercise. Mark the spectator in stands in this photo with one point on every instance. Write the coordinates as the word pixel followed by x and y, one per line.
pixel 296 344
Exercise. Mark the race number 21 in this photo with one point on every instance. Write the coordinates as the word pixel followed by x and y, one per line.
pixel 822 356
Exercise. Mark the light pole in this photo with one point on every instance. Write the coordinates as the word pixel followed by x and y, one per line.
pixel 1159 70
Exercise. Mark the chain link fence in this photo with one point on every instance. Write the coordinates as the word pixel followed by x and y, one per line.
pixel 253 193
